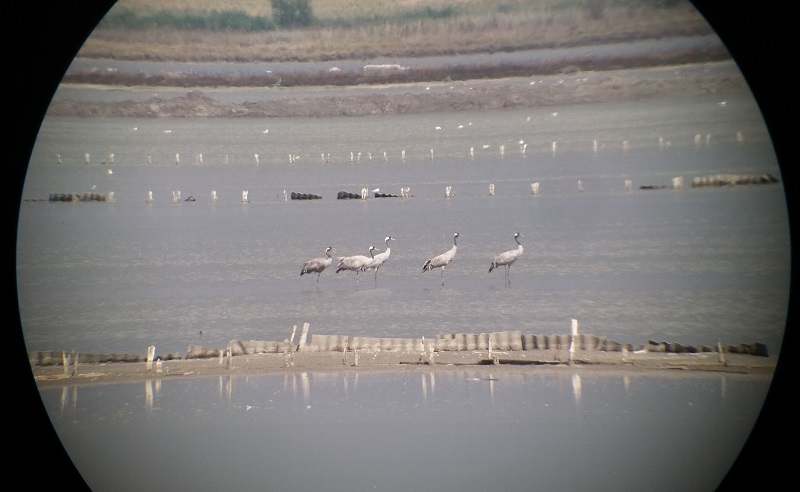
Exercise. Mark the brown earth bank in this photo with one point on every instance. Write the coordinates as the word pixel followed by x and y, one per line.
pixel 452 70
pixel 499 364
pixel 512 92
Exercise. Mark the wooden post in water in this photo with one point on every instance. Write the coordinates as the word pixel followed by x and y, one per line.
pixel 65 362
pixel 535 188
pixel 677 182
pixel 229 355
pixel 303 336
pixel 628 185
pixel 294 330
pixel 491 189
pixel 75 365
pixel 572 341
pixel 721 354
pixel 151 354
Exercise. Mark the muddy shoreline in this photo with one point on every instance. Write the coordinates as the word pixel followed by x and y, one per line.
pixel 508 93
pixel 503 362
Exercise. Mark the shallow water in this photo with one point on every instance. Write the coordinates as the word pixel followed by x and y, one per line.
pixel 693 266
pixel 450 430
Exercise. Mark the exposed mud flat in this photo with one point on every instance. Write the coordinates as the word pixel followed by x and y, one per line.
pixel 501 362
pixel 482 95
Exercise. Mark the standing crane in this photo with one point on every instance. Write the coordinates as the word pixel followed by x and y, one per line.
pixel 357 263
pixel 443 259
pixel 318 265
pixel 508 257
pixel 379 259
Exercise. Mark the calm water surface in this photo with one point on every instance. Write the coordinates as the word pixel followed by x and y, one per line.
pixel 443 431
pixel 690 265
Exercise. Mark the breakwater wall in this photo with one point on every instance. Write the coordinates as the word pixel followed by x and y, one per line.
pixel 84 197
pixel 504 341
pixel 304 196
pixel 732 180
pixel 717 180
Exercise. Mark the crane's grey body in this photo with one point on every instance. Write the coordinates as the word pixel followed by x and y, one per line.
pixel 443 259
pixel 357 263
pixel 379 259
pixel 507 258
pixel 317 265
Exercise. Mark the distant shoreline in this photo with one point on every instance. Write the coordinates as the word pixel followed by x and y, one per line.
pixel 484 94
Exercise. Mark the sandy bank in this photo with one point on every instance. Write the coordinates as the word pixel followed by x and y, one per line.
pixel 503 362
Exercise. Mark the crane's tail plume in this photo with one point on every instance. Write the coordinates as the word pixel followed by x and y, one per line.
pixel 492 266
pixel 427 266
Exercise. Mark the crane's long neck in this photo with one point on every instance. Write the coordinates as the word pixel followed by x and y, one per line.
pixel 455 241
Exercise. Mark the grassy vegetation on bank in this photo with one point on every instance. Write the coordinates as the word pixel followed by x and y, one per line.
pixel 244 30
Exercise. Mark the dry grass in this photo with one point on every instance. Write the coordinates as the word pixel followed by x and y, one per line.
pixel 480 26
